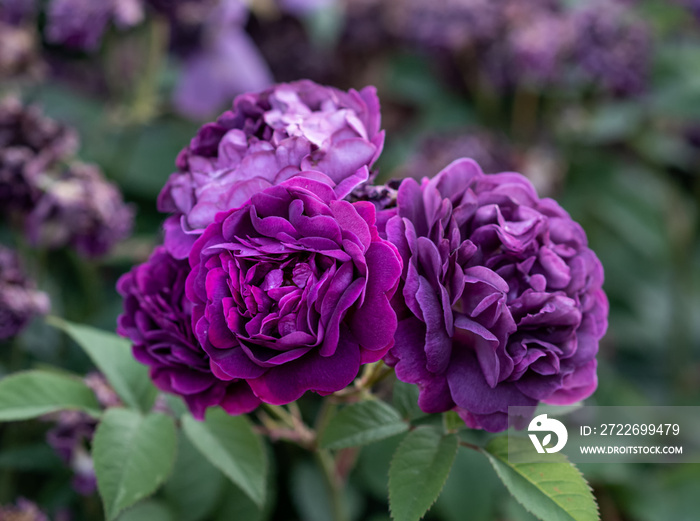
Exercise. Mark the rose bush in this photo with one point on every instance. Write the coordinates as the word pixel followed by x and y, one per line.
pixel 503 299
pixel 291 291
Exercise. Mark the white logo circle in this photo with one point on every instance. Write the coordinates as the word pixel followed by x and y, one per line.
pixel 543 424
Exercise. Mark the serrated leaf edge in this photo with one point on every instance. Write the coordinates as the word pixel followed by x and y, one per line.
pixel 489 456
pixel 112 516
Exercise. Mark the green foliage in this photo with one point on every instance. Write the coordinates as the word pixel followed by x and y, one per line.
pixel 231 445
pixel 553 490
pixel 238 506
pixel 362 423
pixel 418 471
pixel 452 422
pixel 472 490
pixel 195 484
pixel 112 355
pixel 133 456
pixel 313 498
pixel 149 510
pixel 34 393
pixel 405 400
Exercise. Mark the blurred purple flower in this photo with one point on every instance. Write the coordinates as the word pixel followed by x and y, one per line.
pixel 22 510
pixel 226 63
pixel 157 318
pixel 291 291
pixel 435 151
pixel 29 143
pixel 79 207
pixel 612 47
pixel 304 7
pixel 19 299
pixel 69 438
pixel 692 5
pixel 268 137
pixel 16 12
pixel 539 47
pixel 80 24
pixel 450 24
pixel 19 54
pixel 74 430
pixel 224 68
pixel 503 298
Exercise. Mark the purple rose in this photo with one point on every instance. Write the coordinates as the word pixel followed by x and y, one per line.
pixel 267 138
pixel 503 298
pixel 157 318
pixel 291 291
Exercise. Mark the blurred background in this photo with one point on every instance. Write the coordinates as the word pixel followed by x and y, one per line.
pixel 596 101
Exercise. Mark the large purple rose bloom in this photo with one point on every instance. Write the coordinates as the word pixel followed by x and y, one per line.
pixel 265 139
pixel 157 318
pixel 504 305
pixel 291 291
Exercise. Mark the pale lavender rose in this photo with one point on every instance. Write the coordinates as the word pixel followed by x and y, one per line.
pixel 19 299
pixel 157 319
pixel 267 138
pixel 291 291
pixel 503 298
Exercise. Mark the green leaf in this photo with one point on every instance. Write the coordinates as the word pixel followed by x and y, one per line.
pixel 418 471
pixel 452 422
pixel 372 468
pixel 405 399
pixel 36 457
pixel 194 485
pixel 472 487
pixel 232 446
pixel 553 490
pixel 112 355
pixel 149 510
pixel 362 423
pixel 133 456
pixel 239 507
pixel 312 498
pixel 35 393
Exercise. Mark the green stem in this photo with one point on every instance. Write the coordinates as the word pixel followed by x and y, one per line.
pixel 281 414
pixel 326 463
pixel 470 446
pixel 525 106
